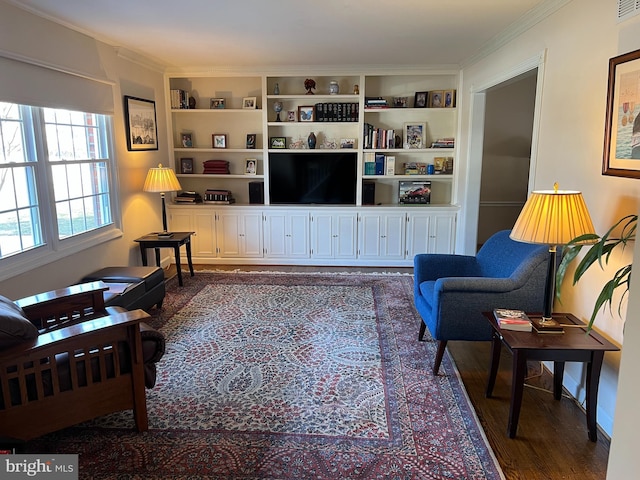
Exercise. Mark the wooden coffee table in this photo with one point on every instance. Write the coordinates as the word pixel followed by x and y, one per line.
pixel 575 345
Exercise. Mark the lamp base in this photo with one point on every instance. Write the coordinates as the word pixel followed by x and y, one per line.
pixel 546 325
pixel 165 234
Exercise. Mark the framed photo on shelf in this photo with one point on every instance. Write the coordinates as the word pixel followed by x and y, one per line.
pixel 219 140
pixel 436 99
pixel 249 103
pixel 291 116
pixel 141 124
pixel 449 98
pixel 622 121
pixel 251 140
pixel 415 135
pixel 347 143
pixel 421 100
pixel 277 142
pixel 186 139
pixel 217 103
pixel 251 166
pixel 186 165
pixel 306 113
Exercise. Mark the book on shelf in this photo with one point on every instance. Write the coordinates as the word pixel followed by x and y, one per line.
pixel 379 163
pixel 369 163
pixel 510 319
pixel 389 165
pixel 336 112
pixel 179 99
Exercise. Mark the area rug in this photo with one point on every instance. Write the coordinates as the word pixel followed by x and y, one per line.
pixel 290 376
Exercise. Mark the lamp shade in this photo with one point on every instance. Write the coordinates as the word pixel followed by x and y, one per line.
pixel 552 217
pixel 161 179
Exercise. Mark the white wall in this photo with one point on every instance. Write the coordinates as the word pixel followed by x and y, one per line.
pixel 577 43
pixel 140 211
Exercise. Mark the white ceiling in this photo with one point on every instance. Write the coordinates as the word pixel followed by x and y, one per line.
pixel 210 33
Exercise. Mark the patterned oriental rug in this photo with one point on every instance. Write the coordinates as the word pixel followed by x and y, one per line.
pixel 290 376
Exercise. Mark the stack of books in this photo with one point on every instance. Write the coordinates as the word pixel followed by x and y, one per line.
pixel 179 99
pixel 218 197
pixel 216 167
pixel 447 142
pixel 375 102
pixel 509 319
pixel 414 168
pixel 185 198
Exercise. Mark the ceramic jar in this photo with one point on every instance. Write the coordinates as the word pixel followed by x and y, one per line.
pixel 334 88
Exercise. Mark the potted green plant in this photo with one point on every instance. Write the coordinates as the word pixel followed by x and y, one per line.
pixel 600 249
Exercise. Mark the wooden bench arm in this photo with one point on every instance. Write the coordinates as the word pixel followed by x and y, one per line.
pixel 56 308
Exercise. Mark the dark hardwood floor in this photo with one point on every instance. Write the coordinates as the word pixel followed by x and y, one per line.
pixel 551 442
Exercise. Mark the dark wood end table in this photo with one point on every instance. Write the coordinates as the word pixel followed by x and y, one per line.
pixel 575 345
pixel 175 241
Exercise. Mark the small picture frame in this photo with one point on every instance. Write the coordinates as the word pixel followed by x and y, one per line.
pixel 415 135
pixel 249 103
pixel 306 113
pixel 217 103
pixel 251 166
pixel 277 142
pixel 186 165
pixel 421 100
pixel 251 141
pixel 291 116
pixel 436 99
pixel 186 140
pixel 347 143
pixel 219 140
pixel 449 98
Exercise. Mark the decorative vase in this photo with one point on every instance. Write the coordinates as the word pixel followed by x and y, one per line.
pixel 311 140
pixel 277 107
pixel 334 88
pixel 276 89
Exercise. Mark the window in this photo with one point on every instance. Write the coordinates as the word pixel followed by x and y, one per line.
pixel 55 177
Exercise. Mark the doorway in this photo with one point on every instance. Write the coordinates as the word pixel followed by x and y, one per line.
pixel 506 153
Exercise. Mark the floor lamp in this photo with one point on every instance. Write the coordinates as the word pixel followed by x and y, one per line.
pixel 552 217
pixel 162 179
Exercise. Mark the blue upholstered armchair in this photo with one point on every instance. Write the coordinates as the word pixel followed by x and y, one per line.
pixel 452 291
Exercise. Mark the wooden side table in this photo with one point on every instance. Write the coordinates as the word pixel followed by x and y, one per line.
pixel 156 242
pixel 575 345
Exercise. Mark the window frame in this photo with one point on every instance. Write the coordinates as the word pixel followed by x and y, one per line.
pixel 54 248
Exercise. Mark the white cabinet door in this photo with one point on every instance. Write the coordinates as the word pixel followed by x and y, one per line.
pixel 239 234
pixel 333 234
pixel 286 235
pixel 382 235
pixel 202 223
pixel 430 233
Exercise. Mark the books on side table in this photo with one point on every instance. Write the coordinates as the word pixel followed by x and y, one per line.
pixel 509 319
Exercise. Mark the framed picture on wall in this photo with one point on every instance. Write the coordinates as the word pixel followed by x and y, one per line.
pixel 622 122
pixel 140 123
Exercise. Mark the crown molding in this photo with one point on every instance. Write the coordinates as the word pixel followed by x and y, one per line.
pixel 520 26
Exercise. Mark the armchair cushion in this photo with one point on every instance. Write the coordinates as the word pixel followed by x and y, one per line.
pixel 15 328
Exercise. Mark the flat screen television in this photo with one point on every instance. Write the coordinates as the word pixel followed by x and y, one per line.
pixel 312 178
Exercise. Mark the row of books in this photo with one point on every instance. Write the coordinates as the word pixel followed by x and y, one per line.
pixel 381 138
pixel 179 98
pixel 379 164
pixel 447 142
pixel 336 112
pixel 220 197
